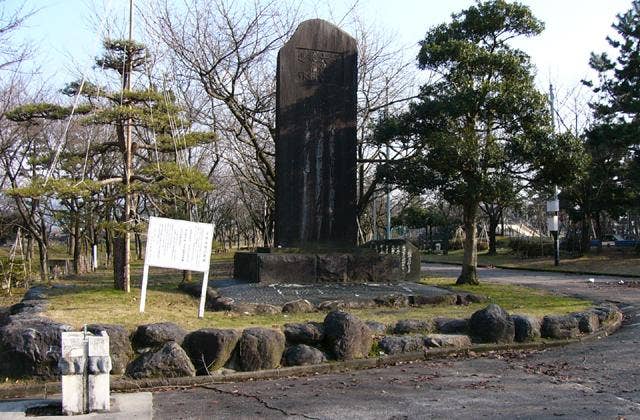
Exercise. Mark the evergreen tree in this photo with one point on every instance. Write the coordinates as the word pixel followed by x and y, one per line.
pixel 615 138
pixel 142 157
pixel 482 121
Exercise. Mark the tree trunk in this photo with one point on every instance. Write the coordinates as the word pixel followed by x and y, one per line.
pixel 494 220
pixel 187 276
pixel 76 246
pixel 445 242
pixel 469 274
pixel 138 240
pixel 584 234
pixel 43 255
pixel 29 251
pixel 119 269
pixel 598 225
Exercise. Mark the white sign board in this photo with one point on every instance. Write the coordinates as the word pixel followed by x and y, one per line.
pixel 178 244
pixel 552 223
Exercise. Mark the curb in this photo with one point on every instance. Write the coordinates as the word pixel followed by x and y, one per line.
pixel 136 385
pixel 538 270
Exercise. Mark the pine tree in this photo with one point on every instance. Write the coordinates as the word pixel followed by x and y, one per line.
pixel 481 122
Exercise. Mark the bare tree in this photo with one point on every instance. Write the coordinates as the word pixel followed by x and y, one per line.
pixel 11 53
pixel 228 52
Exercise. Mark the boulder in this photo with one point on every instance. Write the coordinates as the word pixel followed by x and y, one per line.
pixel 301 354
pixel 377 328
pixel 120 348
pixel 588 322
pixel 35 293
pixel 298 306
pixel 559 327
pixel 491 325
pixel 155 335
pixel 468 298
pixel 5 316
pixel 221 303
pixel 392 300
pixel 259 348
pixel 210 348
pixel 311 333
pixel 30 347
pixel 331 305
pixel 195 289
pixel 267 309
pixel 346 336
pixel 445 299
pixel 335 305
pixel 30 307
pixel 392 344
pixel 168 361
pixel 527 328
pixel 607 313
pixel 451 325
pixel 447 340
pixel 255 308
pixel 410 326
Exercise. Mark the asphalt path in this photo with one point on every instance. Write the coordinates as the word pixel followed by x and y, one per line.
pixel 594 379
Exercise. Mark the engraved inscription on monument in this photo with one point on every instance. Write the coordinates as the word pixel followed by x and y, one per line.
pixel 312 65
pixel 316 138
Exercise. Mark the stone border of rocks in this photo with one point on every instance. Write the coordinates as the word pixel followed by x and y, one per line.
pixel 29 343
pixel 217 302
pixel 128 385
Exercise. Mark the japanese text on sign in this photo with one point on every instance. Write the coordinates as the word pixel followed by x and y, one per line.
pixel 178 244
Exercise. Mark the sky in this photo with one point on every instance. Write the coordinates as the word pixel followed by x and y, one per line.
pixel 64 30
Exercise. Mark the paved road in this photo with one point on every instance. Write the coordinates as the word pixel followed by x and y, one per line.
pixel 597 379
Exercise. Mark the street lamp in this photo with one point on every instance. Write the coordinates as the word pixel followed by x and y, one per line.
pixel 553 207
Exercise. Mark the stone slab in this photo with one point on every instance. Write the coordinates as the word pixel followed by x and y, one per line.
pixel 137 405
pixel 279 294
pixel 387 261
pixel 316 84
pixel 356 267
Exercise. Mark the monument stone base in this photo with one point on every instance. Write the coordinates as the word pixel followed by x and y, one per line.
pixel 389 261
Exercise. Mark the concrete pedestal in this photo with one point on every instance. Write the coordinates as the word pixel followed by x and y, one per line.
pixel 375 262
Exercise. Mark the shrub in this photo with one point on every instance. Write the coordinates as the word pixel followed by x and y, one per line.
pixel 459 244
pixel 531 248
pixel 13 274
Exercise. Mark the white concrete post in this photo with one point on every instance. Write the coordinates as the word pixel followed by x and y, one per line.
pixel 85 365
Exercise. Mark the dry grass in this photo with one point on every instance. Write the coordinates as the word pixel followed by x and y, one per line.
pixel 92 299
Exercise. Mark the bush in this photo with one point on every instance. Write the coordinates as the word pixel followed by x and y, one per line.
pixel 459 244
pixel 531 248
pixel 502 241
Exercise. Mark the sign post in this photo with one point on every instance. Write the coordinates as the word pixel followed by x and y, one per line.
pixel 178 244
pixel 553 208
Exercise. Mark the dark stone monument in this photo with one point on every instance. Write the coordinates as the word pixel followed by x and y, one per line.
pixel 315 231
pixel 316 138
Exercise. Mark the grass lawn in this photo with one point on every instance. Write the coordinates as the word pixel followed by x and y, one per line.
pixel 91 299
pixel 608 261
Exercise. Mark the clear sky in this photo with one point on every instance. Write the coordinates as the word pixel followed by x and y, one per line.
pixel 65 30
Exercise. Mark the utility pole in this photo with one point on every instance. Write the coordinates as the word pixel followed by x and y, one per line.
pixel 553 205
pixel 128 162
pixel 386 115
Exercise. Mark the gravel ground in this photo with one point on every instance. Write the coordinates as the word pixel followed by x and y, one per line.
pixel 279 294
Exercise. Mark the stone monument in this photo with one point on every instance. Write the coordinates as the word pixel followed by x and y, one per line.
pixel 316 228
pixel 316 138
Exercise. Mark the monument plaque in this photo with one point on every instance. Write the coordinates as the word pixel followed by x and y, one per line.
pixel 316 138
